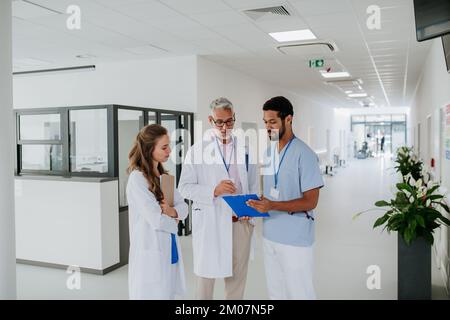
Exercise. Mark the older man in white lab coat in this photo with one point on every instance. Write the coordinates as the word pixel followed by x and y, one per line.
pixel 216 166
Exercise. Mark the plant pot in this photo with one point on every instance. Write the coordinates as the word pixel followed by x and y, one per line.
pixel 414 270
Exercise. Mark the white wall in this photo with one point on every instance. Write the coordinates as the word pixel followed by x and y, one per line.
pixel 162 83
pixel 183 83
pixel 320 119
pixel 68 222
pixel 433 93
pixel 7 242
pixel 246 93
pixel 248 96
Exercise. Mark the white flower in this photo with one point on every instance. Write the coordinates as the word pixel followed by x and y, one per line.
pixel 422 191
pixel 407 193
pixel 411 199
pixel 419 183
pixel 412 182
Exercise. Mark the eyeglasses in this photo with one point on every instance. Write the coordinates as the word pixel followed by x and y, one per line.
pixel 219 123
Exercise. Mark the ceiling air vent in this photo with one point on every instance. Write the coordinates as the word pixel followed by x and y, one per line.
pixel 258 13
pixel 309 49
pixel 353 85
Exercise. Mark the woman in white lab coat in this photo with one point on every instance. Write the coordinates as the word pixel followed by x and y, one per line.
pixel 155 269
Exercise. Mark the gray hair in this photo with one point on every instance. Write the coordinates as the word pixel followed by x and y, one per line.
pixel 221 103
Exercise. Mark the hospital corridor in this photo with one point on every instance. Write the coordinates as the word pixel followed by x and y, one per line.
pixel 206 152
pixel 345 248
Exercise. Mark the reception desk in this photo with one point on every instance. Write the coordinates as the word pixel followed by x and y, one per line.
pixel 63 222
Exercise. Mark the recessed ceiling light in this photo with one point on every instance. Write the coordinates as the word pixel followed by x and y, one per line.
pixel 357 95
pixel 295 35
pixel 342 74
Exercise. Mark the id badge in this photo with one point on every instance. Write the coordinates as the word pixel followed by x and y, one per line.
pixel 274 193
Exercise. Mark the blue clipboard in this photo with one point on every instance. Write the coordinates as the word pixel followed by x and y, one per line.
pixel 238 204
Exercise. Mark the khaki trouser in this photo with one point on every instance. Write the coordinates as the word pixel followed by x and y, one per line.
pixel 234 285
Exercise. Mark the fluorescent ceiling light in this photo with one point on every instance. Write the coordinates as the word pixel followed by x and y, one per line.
pixel 295 35
pixel 348 91
pixel 357 95
pixel 342 74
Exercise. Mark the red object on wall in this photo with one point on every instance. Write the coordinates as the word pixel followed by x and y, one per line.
pixel 432 162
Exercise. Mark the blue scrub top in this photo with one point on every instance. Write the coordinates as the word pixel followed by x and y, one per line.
pixel 299 172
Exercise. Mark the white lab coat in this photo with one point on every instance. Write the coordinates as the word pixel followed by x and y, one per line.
pixel 212 217
pixel 150 272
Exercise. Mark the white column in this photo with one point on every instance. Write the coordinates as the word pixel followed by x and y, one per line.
pixel 7 230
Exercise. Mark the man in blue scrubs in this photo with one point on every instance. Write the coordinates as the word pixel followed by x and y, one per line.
pixel 291 192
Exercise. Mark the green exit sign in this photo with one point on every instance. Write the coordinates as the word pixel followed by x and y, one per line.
pixel 316 63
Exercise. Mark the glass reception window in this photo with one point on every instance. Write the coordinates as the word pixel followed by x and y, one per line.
pixel 42 157
pixel 169 121
pixel 91 141
pixel 88 144
pixel 40 127
pixel 128 127
pixel 151 117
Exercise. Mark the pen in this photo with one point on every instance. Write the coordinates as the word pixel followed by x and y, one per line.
pixel 306 213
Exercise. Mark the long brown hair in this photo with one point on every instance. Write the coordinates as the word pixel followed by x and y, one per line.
pixel 140 157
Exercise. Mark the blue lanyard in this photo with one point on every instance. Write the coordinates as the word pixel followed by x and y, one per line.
pixel 227 167
pixel 275 176
pixel 174 258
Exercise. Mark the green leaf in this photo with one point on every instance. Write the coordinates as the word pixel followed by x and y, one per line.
pixel 403 186
pixel 381 220
pixel 444 206
pixel 396 223
pixel 420 221
pixel 444 220
pixel 428 236
pixel 412 229
pixel 430 191
pixel 382 203
pixel 435 197
pixel 360 213
pixel 407 236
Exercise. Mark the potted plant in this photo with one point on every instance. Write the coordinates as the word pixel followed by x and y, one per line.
pixel 414 213
pixel 408 163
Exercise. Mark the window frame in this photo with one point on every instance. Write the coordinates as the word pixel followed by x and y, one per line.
pixel 112 132
pixel 110 143
pixel 21 142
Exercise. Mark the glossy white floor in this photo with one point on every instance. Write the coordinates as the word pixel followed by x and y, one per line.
pixel 344 249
